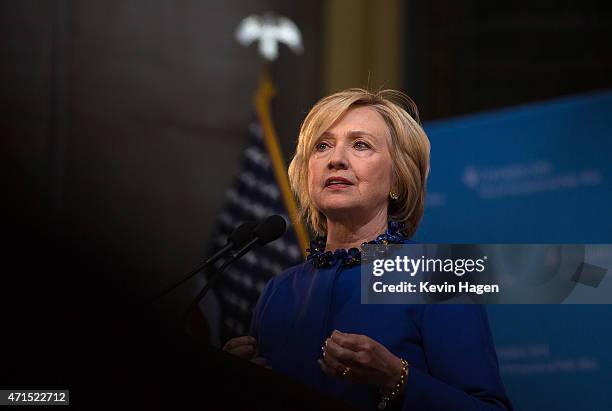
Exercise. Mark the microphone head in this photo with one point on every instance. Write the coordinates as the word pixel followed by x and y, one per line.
pixel 270 229
pixel 242 234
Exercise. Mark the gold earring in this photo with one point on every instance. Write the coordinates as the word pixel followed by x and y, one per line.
pixel 393 195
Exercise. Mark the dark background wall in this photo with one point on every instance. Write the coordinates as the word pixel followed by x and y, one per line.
pixel 159 107
pixel 125 121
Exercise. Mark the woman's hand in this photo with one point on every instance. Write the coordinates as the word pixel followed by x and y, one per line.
pixel 360 359
pixel 245 347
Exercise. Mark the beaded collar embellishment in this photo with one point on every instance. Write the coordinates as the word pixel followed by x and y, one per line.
pixel 320 258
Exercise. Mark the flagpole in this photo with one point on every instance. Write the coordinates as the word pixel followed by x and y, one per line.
pixel 264 94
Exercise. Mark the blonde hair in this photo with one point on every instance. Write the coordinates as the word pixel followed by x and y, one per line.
pixel 409 149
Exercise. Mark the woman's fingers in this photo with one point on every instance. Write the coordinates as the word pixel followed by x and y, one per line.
pixel 243 347
pixel 334 357
pixel 334 368
pixel 366 359
pixel 355 342
pixel 243 351
pixel 344 357
pixel 341 354
pixel 238 341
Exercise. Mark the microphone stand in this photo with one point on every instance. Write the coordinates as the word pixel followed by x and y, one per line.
pixel 240 235
pixel 171 287
pixel 213 280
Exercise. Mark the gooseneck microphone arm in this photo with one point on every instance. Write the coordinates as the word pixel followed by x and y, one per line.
pixel 267 231
pixel 241 235
pixel 214 278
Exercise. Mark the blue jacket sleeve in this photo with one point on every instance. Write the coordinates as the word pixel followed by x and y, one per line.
pixel 463 372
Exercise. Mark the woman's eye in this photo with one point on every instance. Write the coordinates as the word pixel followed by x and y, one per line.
pixel 321 146
pixel 361 145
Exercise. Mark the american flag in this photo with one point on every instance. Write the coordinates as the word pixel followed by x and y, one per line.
pixel 254 195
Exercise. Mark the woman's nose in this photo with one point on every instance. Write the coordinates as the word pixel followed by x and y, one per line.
pixel 337 159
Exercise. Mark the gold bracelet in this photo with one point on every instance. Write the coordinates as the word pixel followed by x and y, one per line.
pixel 385 399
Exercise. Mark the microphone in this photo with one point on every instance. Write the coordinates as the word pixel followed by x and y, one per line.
pixel 270 229
pixel 241 235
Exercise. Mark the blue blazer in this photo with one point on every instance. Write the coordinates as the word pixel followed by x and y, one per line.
pixel 453 364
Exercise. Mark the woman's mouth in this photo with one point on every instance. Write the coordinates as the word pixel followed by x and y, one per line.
pixel 337 183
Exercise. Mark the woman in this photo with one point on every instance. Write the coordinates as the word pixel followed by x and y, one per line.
pixel 359 173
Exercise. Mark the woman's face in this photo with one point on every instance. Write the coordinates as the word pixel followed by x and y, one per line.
pixel 350 169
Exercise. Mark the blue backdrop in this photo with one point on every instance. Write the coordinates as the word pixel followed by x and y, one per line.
pixel 539 173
